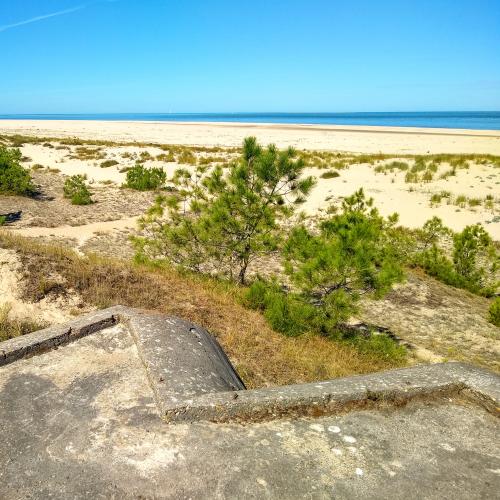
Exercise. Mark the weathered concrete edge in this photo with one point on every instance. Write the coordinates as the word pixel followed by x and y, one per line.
pixel 49 338
pixel 327 397
pixel 153 361
pixel 392 388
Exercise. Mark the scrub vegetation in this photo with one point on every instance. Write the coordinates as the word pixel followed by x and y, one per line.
pixel 216 222
pixel 145 179
pixel 225 246
pixel 14 178
pixel 76 190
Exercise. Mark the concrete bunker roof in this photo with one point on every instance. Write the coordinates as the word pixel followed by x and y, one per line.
pixel 92 406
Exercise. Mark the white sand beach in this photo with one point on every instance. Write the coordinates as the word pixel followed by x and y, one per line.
pixel 391 140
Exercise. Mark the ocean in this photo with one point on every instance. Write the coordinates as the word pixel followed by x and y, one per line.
pixel 478 120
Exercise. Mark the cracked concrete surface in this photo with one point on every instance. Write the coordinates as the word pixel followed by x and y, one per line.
pixel 82 421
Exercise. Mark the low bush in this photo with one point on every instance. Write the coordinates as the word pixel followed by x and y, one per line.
pixel 354 254
pixel 291 315
pixel 473 263
pixel 436 198
pixel 14 178
pixel 394 165
pixel 380 345
pixel 448 173
pixel 286 313
pixel 145 156
pixel 330 174
pixel 427 177
pixel 411 177
pixel 400 165
pixel 261 356
pixel 77 191
pixel 145 179
pixel 108 163
pixel 419 165
pixel 187 157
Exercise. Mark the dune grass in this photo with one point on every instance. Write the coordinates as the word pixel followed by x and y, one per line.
pixel 10 328
pixel 89 149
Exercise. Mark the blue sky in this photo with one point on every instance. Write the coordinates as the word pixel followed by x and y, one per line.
pixel 72 56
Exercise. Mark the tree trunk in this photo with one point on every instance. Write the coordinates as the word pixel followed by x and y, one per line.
pixel 242 273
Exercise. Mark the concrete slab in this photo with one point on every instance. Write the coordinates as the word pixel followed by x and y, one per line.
pixel 82 420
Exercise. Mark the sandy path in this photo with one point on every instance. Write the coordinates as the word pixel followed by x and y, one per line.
pixel 80 233
pixel 391 140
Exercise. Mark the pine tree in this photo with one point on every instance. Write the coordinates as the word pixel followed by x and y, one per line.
pixel 217 220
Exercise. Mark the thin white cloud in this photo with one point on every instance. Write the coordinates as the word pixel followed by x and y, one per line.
pixel 52 14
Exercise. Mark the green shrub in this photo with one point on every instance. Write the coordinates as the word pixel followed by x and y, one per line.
pixel 475 202
pixel 394 165
pixel 256 296
pixel 459 163
pixel 108 163
pixel 399 165
pixel 145 179
pixel 354 254
pixel 76 190
pixel 292 315
pixel 14 178
pixel 411 177
pixel 286 313
pixel 3 220
pixel 474 257
pixel 427 176
pixel 330 174
pixel 467 247
pixel 419 165
pixel 187 157
pixel 494 312
pixel 145 156
pixel 339 165
pixel 436 199
pixel 435 263
pixel 289 315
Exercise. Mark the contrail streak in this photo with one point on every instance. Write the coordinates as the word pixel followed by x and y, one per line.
pixel 47 16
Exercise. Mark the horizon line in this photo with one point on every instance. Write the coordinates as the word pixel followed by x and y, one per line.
pixel 244 112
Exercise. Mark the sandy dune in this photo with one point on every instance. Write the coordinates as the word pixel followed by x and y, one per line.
pixel 389 190
pixel 393 140
pixel 412 201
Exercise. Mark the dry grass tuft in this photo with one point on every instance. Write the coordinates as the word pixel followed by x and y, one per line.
pixel 261 356
pixel 10 328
